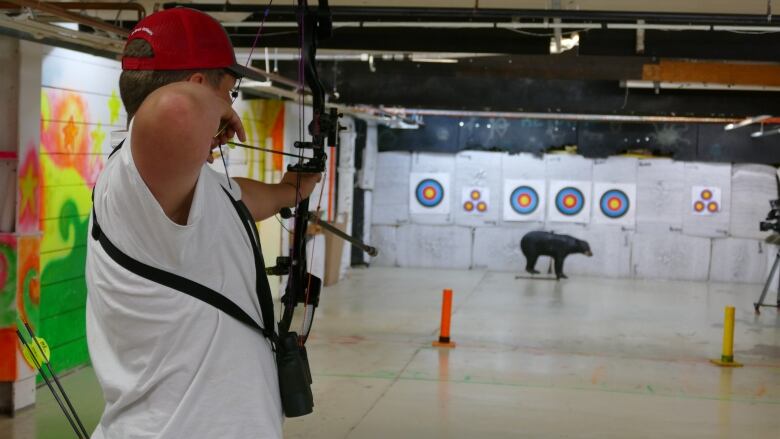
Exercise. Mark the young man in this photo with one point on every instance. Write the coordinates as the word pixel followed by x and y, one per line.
pixel 170 365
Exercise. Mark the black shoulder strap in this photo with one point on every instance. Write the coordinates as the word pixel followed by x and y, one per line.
pixel 263 289
pixel 194 289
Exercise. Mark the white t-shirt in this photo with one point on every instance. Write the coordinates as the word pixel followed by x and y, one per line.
pixel 170 365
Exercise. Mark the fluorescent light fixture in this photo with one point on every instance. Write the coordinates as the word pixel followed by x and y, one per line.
pixel 430 24
pixel 763 133
pixel 417 58
pixel 566 44
pixel 746 28
pixel 746 122
pixel 695 86
pixel 249 83
pixel 659 26
pixel 548 25
pixel 283 24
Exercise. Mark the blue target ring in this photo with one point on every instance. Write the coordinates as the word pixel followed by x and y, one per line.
pixel 524 200
pixel 429 192
pixel 570 201
pixel 614 203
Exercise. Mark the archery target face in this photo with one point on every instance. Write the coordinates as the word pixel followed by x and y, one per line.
pixel 705 200
pixel 616 203
pixel 524 200
pixel 569 201
pixel 475 200
pixel 429 193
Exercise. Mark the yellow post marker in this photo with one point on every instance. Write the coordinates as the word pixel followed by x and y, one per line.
pixel 446 312
pixel 727 357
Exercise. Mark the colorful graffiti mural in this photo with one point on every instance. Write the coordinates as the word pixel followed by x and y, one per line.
pixel 7 307
pixel 264 123
pixel 29 191
pixel 73 138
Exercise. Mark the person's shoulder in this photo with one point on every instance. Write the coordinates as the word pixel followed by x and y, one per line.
pixel 214 177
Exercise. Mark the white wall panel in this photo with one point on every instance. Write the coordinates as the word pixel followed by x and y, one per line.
pixel 738 260
pixel 671 255
pixel 390 198
pixel 384 238
pixel 752 186
pixel 498 248
pixel 660 195
pixel 434 246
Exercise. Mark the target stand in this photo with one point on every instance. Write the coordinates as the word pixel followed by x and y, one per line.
pixel 774 239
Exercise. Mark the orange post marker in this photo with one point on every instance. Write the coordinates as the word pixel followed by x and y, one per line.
pixel 446 313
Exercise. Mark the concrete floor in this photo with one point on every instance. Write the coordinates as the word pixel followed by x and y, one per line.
pixel 583 358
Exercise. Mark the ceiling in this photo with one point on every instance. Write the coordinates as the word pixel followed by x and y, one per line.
pixel 496 54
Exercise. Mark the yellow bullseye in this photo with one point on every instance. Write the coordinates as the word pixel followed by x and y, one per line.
pixel 525 200
pixel 569 201
pixel 429 193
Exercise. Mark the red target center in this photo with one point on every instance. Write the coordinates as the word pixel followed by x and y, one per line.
pixel 615 203
pixel 570 201
pixel 429 193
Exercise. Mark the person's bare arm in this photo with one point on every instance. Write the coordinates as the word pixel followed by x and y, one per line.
pixel 266 200
pixel 173 134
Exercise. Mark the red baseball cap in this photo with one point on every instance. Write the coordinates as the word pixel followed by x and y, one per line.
pixel 185 39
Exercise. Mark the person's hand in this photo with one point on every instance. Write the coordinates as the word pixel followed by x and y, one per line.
pixel 304 181
pixel 229 126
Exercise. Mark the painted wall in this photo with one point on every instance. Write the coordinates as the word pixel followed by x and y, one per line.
pixel 80 106
pixel 662 238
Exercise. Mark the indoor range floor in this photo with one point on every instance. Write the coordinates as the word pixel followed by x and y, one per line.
pixel 580 358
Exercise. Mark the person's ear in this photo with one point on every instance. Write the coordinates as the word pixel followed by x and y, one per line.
pixel 198 78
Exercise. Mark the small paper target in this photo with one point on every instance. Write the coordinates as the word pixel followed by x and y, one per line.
pixel 429 192
pixel 476 199
pixel 524 200
pixel 569 201
pixel 614 203
pixel 705 200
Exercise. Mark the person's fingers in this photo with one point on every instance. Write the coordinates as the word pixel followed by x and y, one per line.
pixel 238 128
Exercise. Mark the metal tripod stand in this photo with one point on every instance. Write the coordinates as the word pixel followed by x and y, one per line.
pixel 760 302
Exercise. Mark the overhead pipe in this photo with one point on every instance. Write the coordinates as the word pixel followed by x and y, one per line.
pixel 98 6
pixel 560 116
pixel 508 15
pixel 57 11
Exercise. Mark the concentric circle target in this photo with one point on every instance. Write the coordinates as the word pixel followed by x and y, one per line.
pixel 524 200
pixel 570 201
pixel 698 206
pixel 713 207
pixel 614 203
pixel 429 192
pixel 468 206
